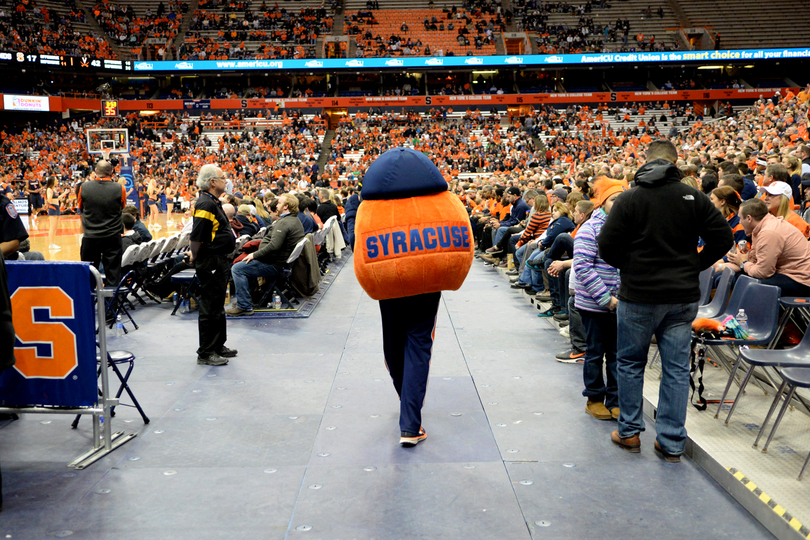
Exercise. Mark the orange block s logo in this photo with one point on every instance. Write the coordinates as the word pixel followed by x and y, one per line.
pixel 34 363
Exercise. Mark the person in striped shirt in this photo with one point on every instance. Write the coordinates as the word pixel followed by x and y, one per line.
pixel 538 223
pixel 596 288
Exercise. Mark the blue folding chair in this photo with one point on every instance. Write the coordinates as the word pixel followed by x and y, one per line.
pixel 187 280
pixel 706 278
pixel 792 361
pixel 795 377
pixel 715 307
pixel 761 304
pixel 792 307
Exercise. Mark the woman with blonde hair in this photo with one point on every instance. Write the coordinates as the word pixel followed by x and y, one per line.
pixel 261 212
pixel 779 198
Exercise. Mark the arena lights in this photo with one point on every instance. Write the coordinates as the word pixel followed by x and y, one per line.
pixel 523 61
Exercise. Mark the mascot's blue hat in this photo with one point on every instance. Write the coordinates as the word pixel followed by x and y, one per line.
pixel 401 173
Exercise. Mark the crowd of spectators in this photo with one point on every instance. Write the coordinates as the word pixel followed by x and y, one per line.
pixel 435 32
pixel 585 35
pixel 29 28
pixel 278 32
pixel 132 30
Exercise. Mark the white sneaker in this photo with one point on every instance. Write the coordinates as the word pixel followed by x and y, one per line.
pixel 54 247
pixel 564 332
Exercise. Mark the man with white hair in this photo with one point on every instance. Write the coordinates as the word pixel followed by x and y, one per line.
pixel 211 243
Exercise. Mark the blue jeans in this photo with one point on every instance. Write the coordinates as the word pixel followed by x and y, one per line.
pixel 519 254
pixel 672 326
pixel 600 338
pixel 557 287
pixel 534 277
pixel 499 234
pixel 242 272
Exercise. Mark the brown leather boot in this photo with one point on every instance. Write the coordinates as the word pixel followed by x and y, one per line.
pixel 631 444
pixel 598 410
pixel 670 458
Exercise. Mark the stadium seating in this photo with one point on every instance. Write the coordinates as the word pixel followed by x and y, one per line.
pixel 382 34
pixel 218 31
pixel 50 27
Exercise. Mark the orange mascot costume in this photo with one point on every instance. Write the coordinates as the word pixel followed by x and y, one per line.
pixel 413 240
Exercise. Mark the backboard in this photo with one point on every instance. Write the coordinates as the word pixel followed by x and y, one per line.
pixel 107 141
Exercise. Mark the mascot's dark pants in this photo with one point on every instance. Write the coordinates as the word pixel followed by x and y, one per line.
pixel 408 327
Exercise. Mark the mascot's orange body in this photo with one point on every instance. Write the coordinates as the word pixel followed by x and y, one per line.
pixel 413 240
pixel 412 246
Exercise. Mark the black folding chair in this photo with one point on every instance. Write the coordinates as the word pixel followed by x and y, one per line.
pixel 117 303
pixel 114 359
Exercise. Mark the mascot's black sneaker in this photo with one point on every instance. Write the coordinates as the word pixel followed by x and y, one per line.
pixel 409 440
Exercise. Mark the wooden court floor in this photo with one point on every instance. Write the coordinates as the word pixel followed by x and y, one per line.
pixel 68 233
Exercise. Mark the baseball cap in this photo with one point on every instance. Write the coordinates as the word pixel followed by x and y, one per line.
pixel 560 193
pixel 762 162
pixel 778 188
pixel 513 191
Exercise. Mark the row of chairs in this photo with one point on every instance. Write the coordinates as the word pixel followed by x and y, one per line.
pixel 762 304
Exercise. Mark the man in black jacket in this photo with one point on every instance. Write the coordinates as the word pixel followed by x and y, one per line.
pixel 652 235
pixel 211 242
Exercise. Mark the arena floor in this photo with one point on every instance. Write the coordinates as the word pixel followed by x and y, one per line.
pixel 68 233
pixel 297 438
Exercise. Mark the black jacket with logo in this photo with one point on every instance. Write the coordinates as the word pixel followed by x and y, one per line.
pixel 651 236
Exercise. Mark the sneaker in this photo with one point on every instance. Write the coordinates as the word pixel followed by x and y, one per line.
pixel 225 352
pixel 631 444
pixel 561 316
pixel 512 273
pixel 543 297
pixel 564 332
pixel 598 410
pixel 54 247
pixel 519 285
pixel 504 264
pixel 614 412
pixel 494 249
pixel 409 440
pixel 571 356
pixel 563 324
pixel 545 314
pixel 212 360
pixel 669 458
pixel 236 311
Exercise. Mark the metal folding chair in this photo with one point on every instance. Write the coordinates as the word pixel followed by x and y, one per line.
pixel 794 377
pixel 114 358
pixel 761 304
pixel 187 280
pixel 116 304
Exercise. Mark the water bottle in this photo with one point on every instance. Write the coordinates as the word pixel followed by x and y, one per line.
pixel 742 319
pixel 742 246
pixel 174 299
pixel 276 302
pixel 119 326
pixel 186 306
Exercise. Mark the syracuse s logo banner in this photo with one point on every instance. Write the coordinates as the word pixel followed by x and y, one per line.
pixel 34 359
